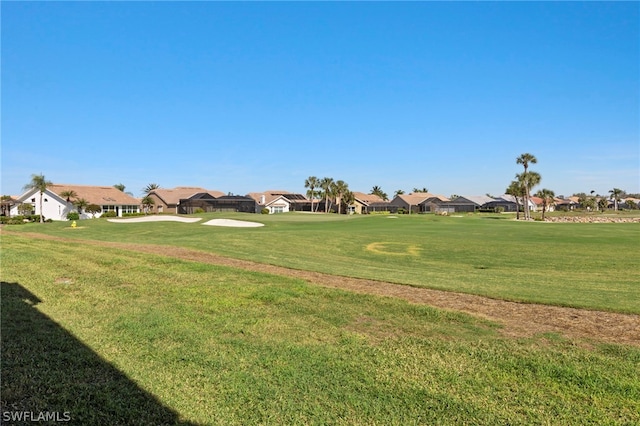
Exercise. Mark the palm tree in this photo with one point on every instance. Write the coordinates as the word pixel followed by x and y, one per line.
pixel 39 183
pixel 420 190
pixel 340 189
pixel 151 187
pixel 516 189
pixel 547 196
pixel 326 184
pixel 528 180
pixel 312 183
pixel 69 195
pixel 348 198
pixel 119 187
pixel 398 192
pixel 615 195
pixel 147 202
pixel 81 204
pixel 376 190
pixel 525 159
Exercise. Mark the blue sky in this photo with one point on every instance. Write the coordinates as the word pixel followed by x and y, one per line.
pixel 243 97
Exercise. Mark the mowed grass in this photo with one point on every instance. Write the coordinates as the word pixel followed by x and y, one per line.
pixel 118 337
pixel 592 266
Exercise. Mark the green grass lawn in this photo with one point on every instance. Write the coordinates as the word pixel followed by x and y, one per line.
pixel 591 266
pixel 118 337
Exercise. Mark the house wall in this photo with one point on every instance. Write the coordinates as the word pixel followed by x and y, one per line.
pixel 56 208
pixel 52 206
pixel 278 207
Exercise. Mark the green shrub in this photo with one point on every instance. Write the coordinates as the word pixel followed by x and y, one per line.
pixel 73 216
pixel 264 211
pixel 16 220
pixel 199 210
pixel 109 213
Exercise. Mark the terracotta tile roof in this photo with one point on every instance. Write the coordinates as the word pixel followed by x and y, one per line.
pixel 100 195
pixel 173 196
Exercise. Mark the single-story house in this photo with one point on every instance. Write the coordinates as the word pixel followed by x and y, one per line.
pixel 367 203
pixel 433 204
pixel 56 206
pixel 280 201
pixel 168 200
pixel 465 204
pixel 208 203
pixel 418 202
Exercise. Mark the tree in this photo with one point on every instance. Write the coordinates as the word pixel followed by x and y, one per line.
pixel 547 196
pixel 81 204
pixel 151 187
pixel 516 189
pixel 119 187
pixel 7 203
pixel 312 183
pixel 525 159
pixel 376 190
pixel 327 185
pixel 147 202
pixel 39 183
pixel 340 188
pixel 398 192
pixel 528 180
pixel 69 195
pixel 348 198
pixel 615 195
pixel 420 190
pixel 93 209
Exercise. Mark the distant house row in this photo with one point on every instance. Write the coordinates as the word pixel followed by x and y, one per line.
pixel 189 200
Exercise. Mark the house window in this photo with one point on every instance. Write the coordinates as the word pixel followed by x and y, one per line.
pixel 129 209
pixel 108 208
pixel 277 209
pixel 33 200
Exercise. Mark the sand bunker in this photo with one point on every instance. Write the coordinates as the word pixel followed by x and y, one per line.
pixel 156 218
pixel 233 223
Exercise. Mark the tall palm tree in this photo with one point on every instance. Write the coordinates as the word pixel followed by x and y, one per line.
pixel 420 190
pixel 312 183
pixel 516 189
pixel 119 187
pixel 547 196
pixel 340 188
pixel 39 183
pixel 526 159
pixel 327 185
pixel 398 192
pixel 615 195
pixel 528 180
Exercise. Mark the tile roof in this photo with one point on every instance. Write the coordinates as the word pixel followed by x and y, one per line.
pixel 367 198
pixel 173 196
pixel 100 195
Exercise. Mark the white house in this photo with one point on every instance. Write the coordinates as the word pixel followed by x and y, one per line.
pixel 56 206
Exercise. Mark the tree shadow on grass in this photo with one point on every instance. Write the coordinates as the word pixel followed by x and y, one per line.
pixel 49 375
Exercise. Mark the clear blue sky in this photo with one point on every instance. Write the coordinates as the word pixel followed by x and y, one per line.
pixel 243 97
